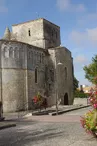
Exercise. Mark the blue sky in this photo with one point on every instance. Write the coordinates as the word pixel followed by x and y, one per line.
pixel 76 18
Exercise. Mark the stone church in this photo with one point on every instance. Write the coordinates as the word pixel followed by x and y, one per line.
pixel 32 60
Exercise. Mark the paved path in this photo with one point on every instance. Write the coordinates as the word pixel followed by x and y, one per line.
pixel 73 116
pixel 66 118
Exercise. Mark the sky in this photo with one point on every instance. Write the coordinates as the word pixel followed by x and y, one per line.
pixel 77 20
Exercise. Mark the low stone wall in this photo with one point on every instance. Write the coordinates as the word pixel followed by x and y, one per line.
pixel 83 101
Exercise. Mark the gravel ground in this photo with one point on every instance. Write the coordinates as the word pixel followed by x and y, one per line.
pixel 34 133
pixel 46 134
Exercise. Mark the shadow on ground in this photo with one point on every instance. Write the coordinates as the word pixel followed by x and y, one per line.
pixel 35 137
pixel 23 137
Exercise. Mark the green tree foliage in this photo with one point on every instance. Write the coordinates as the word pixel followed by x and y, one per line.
pixel 77 93
pixel 91 70
pixel 76 83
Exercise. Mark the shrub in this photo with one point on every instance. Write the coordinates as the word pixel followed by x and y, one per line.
pixel 89 120
pixel 78 94
pixel 39 101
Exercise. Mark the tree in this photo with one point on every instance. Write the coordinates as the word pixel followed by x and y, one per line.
pixel 91 71
pixel 75 82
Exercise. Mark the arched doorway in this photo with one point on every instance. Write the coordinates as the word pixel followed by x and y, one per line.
pixel 66 99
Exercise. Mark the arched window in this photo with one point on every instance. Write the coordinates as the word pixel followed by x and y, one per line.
pixel 29 55
pixel 35 75
pixel 21 53
pixel 11 52
pixel 37 57
pixel 65 72
pixel 16 53
pixel 56 35
pixel 51 72
pixel 29 32
pixel 42 58
pixel 52 33
pixel 32 56
pixel 6 52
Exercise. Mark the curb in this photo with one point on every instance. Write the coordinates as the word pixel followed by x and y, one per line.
pixel 7 126
pixel 68 110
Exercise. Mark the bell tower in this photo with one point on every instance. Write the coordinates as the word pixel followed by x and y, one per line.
pixel 41 33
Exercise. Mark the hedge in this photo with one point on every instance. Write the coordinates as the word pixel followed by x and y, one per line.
pixel 78 94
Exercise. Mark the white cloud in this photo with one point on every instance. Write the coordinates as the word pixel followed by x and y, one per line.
pixel 80 59
pixel 3 7
pixel 77 37
pixel 63 4
pixel 87 18
pixel 92 35
pixel 66 5
pixel 88 37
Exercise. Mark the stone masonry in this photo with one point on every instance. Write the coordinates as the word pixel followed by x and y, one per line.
pixel 29 64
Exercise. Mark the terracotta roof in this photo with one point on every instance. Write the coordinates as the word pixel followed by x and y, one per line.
pixel 89 88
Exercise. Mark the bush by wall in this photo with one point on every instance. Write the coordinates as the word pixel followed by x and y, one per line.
pixel 78 94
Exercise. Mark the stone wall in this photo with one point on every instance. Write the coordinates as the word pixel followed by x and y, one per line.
pixel 63 81
pixel 0 85
pixel 40 33
pixel 20 55
pixel 21 62
pixel 34 88
pixel 17 76
pixel 83 101
pixel 51 34
pixel 13 89
pixel 51 77
pixel 30 32
pixel 65 74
